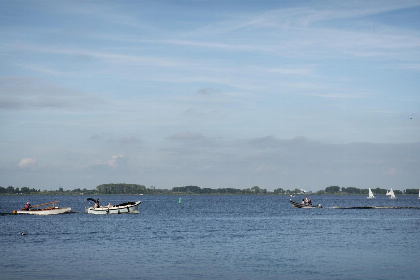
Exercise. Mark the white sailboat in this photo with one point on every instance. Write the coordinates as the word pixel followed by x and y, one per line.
pixel 370 194
pixel 391 194
pixel 419 194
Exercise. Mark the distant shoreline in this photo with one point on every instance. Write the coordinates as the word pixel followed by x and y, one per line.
pixel 137 189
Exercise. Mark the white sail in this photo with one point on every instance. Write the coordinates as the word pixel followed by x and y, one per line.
pixel 391 194
pixel 370 194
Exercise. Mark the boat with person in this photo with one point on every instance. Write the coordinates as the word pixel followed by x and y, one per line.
pixel 304 205
pixel 391 194
pixel 126 207
pixel 48 208
pixel 370 194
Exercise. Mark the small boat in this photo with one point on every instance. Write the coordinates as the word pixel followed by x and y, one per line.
pixel 391 194
pixel 303 205
pixel 44 209
pixel 126 207
pixel 419 194
pixel 370 194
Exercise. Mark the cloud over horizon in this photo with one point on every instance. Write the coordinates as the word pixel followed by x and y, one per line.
pixel 27 163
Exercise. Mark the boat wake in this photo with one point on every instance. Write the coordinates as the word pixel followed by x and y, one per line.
pixel 375 207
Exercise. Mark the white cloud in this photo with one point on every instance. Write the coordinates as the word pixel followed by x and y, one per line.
pixel 104 165
pixel 27 163
pixel 116 160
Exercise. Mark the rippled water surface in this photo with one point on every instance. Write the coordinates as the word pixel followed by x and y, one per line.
pixel 213 237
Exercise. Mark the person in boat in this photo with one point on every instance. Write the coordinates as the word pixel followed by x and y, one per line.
pixel 309 201
pixel 306 200
pixel 27 206
pixel 303 201
pixel 96 204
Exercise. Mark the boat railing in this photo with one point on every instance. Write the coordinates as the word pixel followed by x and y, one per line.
pixel 39 205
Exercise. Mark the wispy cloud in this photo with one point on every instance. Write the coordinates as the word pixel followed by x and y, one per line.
pixel 188 136
pixel 312 30
pixel 317 12
pixel 41 68
pixel 24 93
pixel 129 140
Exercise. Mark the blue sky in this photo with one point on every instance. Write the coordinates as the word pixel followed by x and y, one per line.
pixel 290 94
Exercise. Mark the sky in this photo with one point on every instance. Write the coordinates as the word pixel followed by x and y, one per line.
pixel 217 94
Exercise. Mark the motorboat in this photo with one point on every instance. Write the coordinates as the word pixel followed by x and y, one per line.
pixel 43 209
pixel 126 207
pixel 304 205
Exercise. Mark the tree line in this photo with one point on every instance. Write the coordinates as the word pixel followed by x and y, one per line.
pixel 123 188
pixel 353 190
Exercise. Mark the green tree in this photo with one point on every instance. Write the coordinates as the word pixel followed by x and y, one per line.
pixel 279 191
pixel 25 190
pixel 256 189
pixel 411 191
pixel 379 191
pixel 351 190
pixel 332 189
pixel 121 189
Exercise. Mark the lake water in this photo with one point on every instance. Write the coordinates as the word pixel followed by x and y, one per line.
pixel 213 237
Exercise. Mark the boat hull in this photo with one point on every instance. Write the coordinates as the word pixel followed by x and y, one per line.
pixel 300 205
pixel 44 212
pixel 128 208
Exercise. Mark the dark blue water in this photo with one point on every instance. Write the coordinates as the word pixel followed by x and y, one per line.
pixel 213 237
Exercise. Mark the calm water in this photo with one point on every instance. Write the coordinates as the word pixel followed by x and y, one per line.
pixel 213 237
